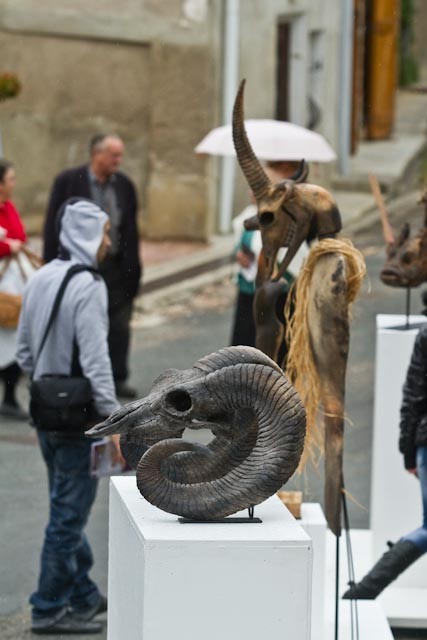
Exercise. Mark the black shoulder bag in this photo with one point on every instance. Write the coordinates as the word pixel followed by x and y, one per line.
pixel 60 402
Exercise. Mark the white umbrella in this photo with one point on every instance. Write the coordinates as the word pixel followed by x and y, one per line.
pixel 271 140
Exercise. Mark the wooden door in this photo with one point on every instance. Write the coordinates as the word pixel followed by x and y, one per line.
pixel 381 67
pixel 359 34
pixel 282 71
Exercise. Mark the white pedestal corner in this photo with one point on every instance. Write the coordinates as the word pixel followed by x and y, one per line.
pixel 189 581
pixel 314 524
pixel 396 507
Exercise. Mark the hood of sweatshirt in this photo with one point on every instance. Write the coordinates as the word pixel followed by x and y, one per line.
pixel 82 229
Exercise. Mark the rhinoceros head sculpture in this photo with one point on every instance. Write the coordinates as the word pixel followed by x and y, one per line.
pixel 254 413
pixel 288 212
pixel 406 262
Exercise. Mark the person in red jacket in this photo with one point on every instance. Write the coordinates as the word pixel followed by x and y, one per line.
pixel 12 237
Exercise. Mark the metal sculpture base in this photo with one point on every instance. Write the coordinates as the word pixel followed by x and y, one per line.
pixel 408 326
pixel 229 520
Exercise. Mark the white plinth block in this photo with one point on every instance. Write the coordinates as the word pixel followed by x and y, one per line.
pixel 396 507
pixel 211 581
pixel 313 522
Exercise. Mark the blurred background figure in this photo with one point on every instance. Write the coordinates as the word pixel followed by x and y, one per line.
pixel 248 247
pixel 102 182
pixel 12 239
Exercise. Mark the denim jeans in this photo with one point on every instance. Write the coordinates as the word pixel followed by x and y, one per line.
pixel 66 555
pixel 419 536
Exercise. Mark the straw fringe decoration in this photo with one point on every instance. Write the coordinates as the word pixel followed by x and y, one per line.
pixel 300 365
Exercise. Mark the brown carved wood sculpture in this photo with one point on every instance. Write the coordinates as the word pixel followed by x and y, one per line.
pixel 254 413
pixel 406 262
pixel 289 213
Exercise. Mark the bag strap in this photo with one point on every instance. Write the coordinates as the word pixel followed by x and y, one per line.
pixel 72 271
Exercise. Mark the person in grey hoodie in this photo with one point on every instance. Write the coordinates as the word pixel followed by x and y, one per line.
pixel 67 599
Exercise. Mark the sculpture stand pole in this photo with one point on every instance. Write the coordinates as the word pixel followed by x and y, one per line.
pixel 337 585
pixel 408 305
pixel 354 617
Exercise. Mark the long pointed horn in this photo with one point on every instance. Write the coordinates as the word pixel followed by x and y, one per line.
pixel 301 173
pixel 250 165
pixel 387 228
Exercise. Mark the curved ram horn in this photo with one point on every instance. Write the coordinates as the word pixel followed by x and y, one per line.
pixel 251 167
pixel 230 356
pixel 277 424
pixel 301 173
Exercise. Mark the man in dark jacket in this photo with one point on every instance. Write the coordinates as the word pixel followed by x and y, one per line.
pixel 112 190
pixel 413 446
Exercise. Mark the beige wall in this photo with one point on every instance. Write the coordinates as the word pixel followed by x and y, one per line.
pixel 420 31
pixel 150 70
pixel 258 59
pixel 146 70
pixel 71 89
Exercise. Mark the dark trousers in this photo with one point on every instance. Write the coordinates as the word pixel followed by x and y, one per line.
pixel 66 555
pixel 120 313
pixel 244 330
pixel 419 536
pixel 10 375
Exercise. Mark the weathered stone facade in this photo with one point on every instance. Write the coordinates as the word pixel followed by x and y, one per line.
pixel 150 70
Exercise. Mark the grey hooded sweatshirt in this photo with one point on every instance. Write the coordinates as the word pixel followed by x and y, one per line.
pixel 82 315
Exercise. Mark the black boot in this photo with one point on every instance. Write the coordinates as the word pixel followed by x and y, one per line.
pixel 399 557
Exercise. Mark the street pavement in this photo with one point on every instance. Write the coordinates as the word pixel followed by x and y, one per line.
pixel 175 335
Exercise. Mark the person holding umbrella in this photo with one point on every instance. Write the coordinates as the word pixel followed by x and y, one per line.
pixel 282 145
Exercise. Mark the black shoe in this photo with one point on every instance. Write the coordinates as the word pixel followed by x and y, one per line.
pixel 13 411
pixel 67 624
pixel 89 613
pixel 399 557
pixel 126 392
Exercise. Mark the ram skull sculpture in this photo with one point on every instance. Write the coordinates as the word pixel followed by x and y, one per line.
pixel 258 424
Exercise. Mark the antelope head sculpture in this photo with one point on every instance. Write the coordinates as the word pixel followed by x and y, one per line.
pixel 406 262
pixel 288 212
pixel 258 424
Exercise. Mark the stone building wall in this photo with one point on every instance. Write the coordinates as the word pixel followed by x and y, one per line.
pixel 145 70
pixel 150 70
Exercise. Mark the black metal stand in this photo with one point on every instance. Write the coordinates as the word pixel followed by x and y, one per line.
pixel 229 520
pixel 408 305
pixel 354 614
pixel 408 325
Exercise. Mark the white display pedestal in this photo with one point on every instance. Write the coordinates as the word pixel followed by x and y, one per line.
pixel 313 522
pixel 211 581
pixel 395 495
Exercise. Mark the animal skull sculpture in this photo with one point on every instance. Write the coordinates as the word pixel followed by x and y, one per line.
pixel 288 212
pixel 254 413
pixel 406 263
